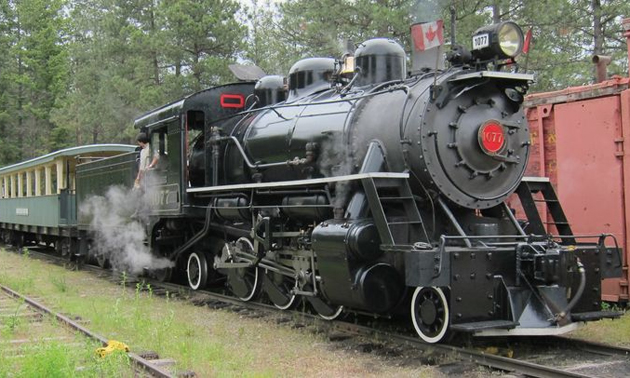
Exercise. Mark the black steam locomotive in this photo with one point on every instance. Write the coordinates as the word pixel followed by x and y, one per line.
pixel 371 189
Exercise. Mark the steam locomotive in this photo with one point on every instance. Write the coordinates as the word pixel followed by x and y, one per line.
pixel 368 189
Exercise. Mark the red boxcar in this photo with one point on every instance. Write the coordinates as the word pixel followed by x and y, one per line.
pixel 581 141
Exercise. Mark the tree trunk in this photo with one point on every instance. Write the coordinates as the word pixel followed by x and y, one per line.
pixel 20 97
pixel 154 53
pixel 598 35
pixel 598 32
pixel 496 12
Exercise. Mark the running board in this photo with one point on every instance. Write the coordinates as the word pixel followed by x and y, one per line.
pixel 595 315
pixel 479 326
pixel 545 331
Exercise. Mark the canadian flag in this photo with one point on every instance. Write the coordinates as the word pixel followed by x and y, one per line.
pixel 428 35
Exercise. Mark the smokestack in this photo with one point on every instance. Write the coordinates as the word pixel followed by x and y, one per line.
pixel 626 27
pixel 601 66
pixel 427 45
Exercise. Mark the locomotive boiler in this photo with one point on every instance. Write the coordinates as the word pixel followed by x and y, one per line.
pixel 368 188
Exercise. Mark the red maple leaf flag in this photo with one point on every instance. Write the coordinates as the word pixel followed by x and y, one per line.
pixel 528 41
pixel 428 35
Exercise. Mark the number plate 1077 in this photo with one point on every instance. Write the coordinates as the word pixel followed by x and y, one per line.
pixel 480 41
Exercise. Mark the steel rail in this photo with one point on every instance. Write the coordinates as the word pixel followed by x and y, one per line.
pixel 137 360
pixel 502 363
pixel 591 346
pixel 480 358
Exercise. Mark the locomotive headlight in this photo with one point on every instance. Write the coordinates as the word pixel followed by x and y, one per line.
pixel 503 40
pixel 510 39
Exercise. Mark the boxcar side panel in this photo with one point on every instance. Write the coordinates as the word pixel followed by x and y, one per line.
pixel 579 144
pixel 588 168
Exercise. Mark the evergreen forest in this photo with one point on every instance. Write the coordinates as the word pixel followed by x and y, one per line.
pixel 75 72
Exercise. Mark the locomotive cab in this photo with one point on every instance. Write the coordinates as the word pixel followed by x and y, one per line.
pixel 180 133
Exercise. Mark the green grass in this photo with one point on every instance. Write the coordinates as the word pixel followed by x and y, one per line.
pixel 209 342
pixel 12 323
pixel 60 283
pixel 610 331
pixel 54 360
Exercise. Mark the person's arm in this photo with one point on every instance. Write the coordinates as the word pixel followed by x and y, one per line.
pixel 154 162
pixel 136 183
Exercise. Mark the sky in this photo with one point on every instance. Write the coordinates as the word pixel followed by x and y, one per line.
pixel 249 2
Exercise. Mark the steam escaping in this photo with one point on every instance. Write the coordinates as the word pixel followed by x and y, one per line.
pixel 117 220
pixel 336 160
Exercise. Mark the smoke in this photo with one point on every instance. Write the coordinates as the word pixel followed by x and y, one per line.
pixel 117 223
pixel 336 160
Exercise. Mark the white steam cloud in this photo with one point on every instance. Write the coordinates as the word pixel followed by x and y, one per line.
pixel 336 160
pixel 117 224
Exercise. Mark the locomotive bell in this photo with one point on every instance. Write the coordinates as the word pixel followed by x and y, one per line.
pixel 310 75
pixel 380 60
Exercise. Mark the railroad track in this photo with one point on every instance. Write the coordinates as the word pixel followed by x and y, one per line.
pixel 533 357
pixel 575 355
pixel 15 308
pixel 585 364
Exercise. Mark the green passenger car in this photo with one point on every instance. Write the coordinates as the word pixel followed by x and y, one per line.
pixel 38 201
pixel 96 177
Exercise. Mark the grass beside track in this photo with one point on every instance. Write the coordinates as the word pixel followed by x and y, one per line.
pixel 209 342
pixel 609 331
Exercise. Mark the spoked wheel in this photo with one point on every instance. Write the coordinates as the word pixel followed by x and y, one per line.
pixel 332 314
pixel 430 313
pixel 243 282
pixel 323 307
pixel 197 270
pixel 278 287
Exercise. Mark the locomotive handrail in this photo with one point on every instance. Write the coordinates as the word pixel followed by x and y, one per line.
pixel 546 236
pixel 601 242
pixel 445 238
pixel 454 222
pixel 291 105
pixel 317 181
pixel 245 158
pixel 533 237
pixel 161 121
pixel 513 219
